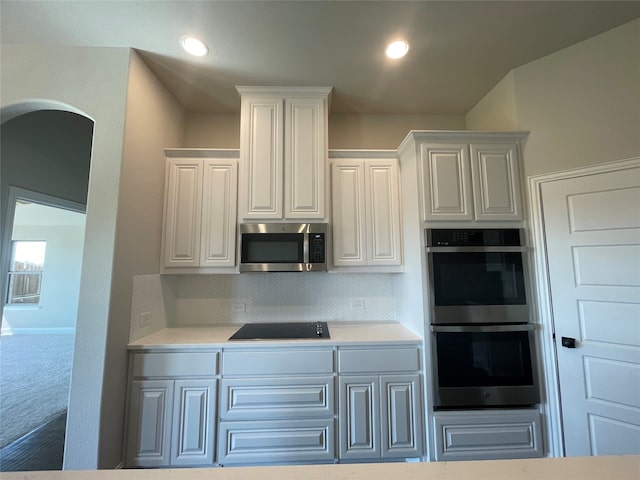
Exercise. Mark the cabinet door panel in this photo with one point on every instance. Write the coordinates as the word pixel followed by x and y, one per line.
pixel 478 435
pixel 304 158
pixel 401 416
pixel 348 213
pixel 445 182
pixel 261 158
pixel 276 441
pixel 149 432
pixel 269 398
pixel 496 182
pixel 378 360
pixel 219 214
pixel 182 213
pixel 193 422
pixel 383 217
pixel 359 417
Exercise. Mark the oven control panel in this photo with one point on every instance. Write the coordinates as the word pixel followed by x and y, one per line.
pixel 473 237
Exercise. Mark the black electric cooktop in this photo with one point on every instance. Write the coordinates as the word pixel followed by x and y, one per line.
pixel 279 331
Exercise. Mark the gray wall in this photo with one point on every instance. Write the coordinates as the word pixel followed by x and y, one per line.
pixel 153 120
pixel 211 130
pixel 47 151
pixel 580 104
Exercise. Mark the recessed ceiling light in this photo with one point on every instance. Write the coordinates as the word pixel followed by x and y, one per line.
pixel 193 45
pixel 397 49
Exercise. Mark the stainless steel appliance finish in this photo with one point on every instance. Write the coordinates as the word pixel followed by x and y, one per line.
pixel 484 366
pixel 283 247
pixel 282 331
pixel 483 346
pixel 477 276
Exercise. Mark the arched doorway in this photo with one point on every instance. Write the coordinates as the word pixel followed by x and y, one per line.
pixel 46 156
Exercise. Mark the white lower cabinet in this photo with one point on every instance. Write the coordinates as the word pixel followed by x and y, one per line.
pixel 172 421
pixel 380 414
pixel 277 406
pixel 488 434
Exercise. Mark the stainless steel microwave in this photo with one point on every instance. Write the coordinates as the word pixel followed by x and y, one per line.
pixel 283 247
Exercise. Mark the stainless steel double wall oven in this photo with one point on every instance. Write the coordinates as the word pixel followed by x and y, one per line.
pixel 483 343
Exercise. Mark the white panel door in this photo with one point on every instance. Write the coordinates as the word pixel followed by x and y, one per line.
pixel 218 247
pixel 304 158
pixel 349 224
pixel 261 140
pixel 592 226
pixel 182 213
pixel 496 181
pixel 445 181
pixel 382 212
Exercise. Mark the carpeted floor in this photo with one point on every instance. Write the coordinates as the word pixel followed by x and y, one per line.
pixel 35 372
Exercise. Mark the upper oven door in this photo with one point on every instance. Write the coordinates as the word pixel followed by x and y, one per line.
pixel 478 284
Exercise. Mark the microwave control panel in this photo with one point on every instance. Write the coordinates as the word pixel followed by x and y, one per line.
pixel 316 248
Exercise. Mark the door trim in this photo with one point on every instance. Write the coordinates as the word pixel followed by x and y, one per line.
pixel 542 312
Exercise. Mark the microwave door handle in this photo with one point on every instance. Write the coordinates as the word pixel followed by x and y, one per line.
pixel 305 249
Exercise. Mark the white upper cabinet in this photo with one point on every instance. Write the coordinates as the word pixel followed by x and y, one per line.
pixel 445 174
pixel 283 153
pixel 366 211
pixel 496 181
pixel 468 176
pixel 200 210
pixel 182 214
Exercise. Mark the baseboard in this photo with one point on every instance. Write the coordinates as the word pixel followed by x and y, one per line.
pixel 40 331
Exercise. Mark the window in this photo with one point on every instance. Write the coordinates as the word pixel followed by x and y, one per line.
pixel 25 272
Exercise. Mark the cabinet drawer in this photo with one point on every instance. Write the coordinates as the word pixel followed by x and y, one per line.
pixel 174 364
pixel 488 435
pixel 274 441
pixel 245 399
pixel 379 360
pixel 277 362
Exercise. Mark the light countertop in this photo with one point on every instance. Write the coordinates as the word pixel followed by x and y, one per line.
pixel 573 468
pixel 342 333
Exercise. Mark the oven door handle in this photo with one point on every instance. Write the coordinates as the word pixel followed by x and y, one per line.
pixel 492 249
pixel 483 328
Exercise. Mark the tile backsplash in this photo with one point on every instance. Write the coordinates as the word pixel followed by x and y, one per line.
pixel 148 306
pixel 200 300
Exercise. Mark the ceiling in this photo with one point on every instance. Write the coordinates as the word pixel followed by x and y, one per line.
pixel 459 49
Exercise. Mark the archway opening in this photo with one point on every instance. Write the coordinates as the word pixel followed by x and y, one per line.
pixel 45 163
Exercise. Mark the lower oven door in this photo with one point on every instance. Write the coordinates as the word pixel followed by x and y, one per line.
pixel 484 366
